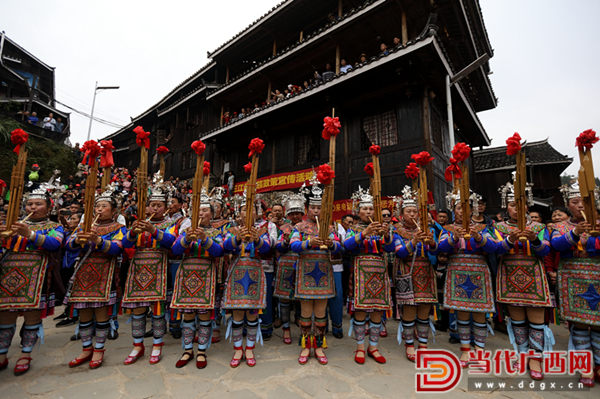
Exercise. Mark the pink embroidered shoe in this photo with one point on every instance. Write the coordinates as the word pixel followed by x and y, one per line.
pixel 133 357
pixel 76 362
pixel 250 361
pixel 236 362
pixel 156 354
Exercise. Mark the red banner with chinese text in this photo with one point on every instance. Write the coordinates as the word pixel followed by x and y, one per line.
pixel 281 181
pixel 344 207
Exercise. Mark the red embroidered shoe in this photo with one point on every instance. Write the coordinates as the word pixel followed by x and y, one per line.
pixel 596 373
pixel 587 382
pixel 156 354
pixel 236 362
pixel 359 360
pixel 217 338
pixel 4 364
pixel 182 362
pixel 536 375
pixel 322 359
pixel 377 356
pixel 383 332
pixel 287 340
pixel 76 362
pixel 21 369
pixel 250 361
pixel 201 363
pixel 135 355
pixel 410 357
pixel 464 363
pixel 304 359
pixel 94 364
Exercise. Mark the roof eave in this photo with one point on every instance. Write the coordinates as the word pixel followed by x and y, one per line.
pixel 566 161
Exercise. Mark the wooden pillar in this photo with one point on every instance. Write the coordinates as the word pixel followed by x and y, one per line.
pixel 227 75
pixel 222 112
pixel 427 137
pixel 404 29
pixel 340 8
pixel 274 47
pixel 337 59
pixel 301 34
pixel 273 158
pixel 269 92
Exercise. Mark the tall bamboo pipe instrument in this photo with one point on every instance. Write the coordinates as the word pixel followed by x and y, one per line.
pixel 17 183
pixel 142 174
pixel 328 194
pixel 587 179
pixel 198 147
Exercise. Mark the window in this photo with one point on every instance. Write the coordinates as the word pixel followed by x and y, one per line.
pixel 188 160
pixel 379 129
pixel 307 149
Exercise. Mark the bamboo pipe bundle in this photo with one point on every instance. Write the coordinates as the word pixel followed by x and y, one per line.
pixel 376 188
pixel 422 195
pixel 464 199
pixel 251 194
pixel 17 181
pixel 328 194
pixel 587 184
pixel 105 178
pixel 142 186
pixel 520 196
pixel 89 198
pixel 196 193
pixel 162 166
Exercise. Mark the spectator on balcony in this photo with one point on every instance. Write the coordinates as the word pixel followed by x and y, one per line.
pixel 396 41
pixel 256 107
pixel 306 85
pixel 287 93
pixel 328 74
pixel 317 79
pixel 33 119
pixel 363 60
pixel 383 49
pixel 332 17
pixel 60 126
pixel 49 122
pixel 344 67
pixel 226 118
pixel 278 95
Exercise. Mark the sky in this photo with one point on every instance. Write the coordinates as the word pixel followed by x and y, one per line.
pixel 544 66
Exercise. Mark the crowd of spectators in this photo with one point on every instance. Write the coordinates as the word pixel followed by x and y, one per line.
pixel 317 78
pixel 48 123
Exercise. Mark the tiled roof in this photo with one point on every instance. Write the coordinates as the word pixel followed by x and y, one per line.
pixel 537 153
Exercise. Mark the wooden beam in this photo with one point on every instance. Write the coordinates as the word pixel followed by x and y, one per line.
pixel 427 137
pixel 269 92
pixel 222 112
pixel 404 29
pixel 337 59
pixel 274 47
pixel 227 75
pixel 301 35
pixel 340 8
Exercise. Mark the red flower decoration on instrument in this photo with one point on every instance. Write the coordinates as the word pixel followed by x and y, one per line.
pixel 375 149
pixel 325 174
pixel 422 158
pixel 248 167
pixel 331 127
pixel 453 169
pixel 106 156
pixel 162 149
pixel 461 151
pixel 513 144
pixel 91 150
pixel 18 138
pixel 198 147
pixel 206 169
pixel 369 169
pixel 586 140
pixel 412 171
pixel 256 146
pixel 142 137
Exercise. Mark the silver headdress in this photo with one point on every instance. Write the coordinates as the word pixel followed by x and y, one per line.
pixel 453 198
pixel 570 191
pixel 107 195
pixel 361 198
pixel 295 202
pixel 42 192
pixel 158 192
pixel 507 193
pixel 218 195
pixel 204 198
pixel 409 197
pixel 315 193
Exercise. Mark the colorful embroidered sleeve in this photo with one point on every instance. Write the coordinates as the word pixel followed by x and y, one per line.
pixel 264 244
pixel 297 242
pixel 487 244
pixel 213 245
pixel 562 242
pixel 49 240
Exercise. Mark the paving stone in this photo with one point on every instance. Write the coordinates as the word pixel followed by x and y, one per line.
pixel 260 371
pixel 283 392
pixel 188 389
pixel 311 384
pixel 84 373
pixel 336 386
pixel 223 391
pixel 12 390
pixel 99 389
pixel 144 387
pixel 349 368
pixel 383 386
pixel 43 384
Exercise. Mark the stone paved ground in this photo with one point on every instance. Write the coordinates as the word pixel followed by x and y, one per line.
pixel 276 375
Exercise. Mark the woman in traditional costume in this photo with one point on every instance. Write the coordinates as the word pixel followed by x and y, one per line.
pixel 579 279
pixel 367 241
pixel 94 285
pixel 286 263
pixel 146 284
pixel 245 288
pixel 468 289
pixel 314 276
pixel 24 282
pixel 412 247
pixel 195 284
pixel 522 283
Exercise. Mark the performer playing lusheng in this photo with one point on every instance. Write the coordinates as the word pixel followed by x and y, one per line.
pixel 147 279
pixel 526 325
pixel 245 288
pixel 93 297
pixel 195 283
pixel 314 276
pixel 412 246
pixel 579 279
pixel 286 263
pixel 468 287
pixel 31 245
pixel 367 241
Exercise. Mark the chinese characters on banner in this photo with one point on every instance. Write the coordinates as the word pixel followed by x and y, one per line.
pixel 344 207
pixel 281 181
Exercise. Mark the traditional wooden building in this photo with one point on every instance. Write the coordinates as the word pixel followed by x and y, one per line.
pixel 493 168
pixel 27 83
pixel 394 95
